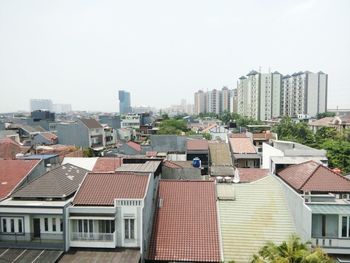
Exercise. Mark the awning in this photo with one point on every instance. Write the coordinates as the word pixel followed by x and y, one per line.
pixel 92 217
pixel 332 209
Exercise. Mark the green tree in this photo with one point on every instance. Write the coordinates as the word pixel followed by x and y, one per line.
pixel 207 136
pixel 325 114
pixel 338 152
pixel 88 152
pixel 326 133
pixel 290 251
pixel 172 126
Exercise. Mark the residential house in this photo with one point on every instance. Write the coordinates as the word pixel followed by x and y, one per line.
pixel 244 153
pixel 319 201
pixel 9 148
pixel 120 217
pixel 220 159
pixel 186 227
pixel 86 133
pixel 281 154
pixel 35 215
pixel 45 138
pixel 131 121
pixel 338 122
pixel 50 160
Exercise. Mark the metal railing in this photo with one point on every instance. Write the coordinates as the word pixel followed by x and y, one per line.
pixel 31 240
pixel 81 236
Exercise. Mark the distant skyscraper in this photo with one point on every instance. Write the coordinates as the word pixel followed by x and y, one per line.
pixel 199 102
pixel 124 102
pixel 40 104
pixel 214 101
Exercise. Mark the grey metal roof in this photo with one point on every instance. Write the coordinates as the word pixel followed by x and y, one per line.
pixel 334 209
pixel 147 167
pixel 221 170
pixel 60 182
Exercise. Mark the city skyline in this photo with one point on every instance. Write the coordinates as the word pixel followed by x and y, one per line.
pixel 85 58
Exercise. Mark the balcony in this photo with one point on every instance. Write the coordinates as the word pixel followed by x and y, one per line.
pixel 81 236
pixel 332 244
pixel 32 240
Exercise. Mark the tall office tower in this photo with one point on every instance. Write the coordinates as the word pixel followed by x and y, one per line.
pixel 234 102
pixel 199 102
pixel 124 102
pixel 304 93
pixel 225 102
pixel 213 101
pixel 40 104
pixel 258 95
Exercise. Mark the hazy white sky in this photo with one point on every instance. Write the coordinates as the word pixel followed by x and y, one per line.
pixel 82 52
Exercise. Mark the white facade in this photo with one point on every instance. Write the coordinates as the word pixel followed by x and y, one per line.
pixel 131 121
pixel 214 101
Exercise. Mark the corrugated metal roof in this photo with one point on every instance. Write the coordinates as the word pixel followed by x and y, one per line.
pixel 333 209
pixel 225 191
pixel 147 167
pixel 258 214
pixel 220 154
pixel 85 163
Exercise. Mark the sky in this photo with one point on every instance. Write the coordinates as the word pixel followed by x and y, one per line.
pixel 83 52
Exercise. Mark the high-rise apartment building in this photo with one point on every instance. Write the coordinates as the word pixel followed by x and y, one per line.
pixel 215 101
pixel 199 102
pixel 264 96
pixel 124 102
pixel 40 104
pixel 304 93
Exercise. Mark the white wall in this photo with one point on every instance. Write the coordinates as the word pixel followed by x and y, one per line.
pixel 267 152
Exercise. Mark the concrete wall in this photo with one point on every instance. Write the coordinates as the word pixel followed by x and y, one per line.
pixel 73 134
pixel 165 143
pixel 302 214
pixel 267 152
pixel 181 173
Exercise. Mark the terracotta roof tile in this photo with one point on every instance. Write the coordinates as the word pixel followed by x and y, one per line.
pixel 12 172
pixel 49 136
pixel 101 189
pixel 91 123
pixel 238 135
pixel 197 145
pixel 185 226
pixel 134 145
pixel 107 164
pixel 9 148
pixel 314 177
pixel 248 175
pixel 242 145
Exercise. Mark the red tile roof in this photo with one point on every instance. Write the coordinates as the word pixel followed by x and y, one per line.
pixel 107 164
pixel 185 227
pixel 101 189
pixel 49 136
pixel 12 172
pixel 238 135
pixel 151 154
pixel 9 148
pixel 177 164
pixel 314 177
pixel 248 175
pixel 197 145
pixel 242 145
pixel 134 145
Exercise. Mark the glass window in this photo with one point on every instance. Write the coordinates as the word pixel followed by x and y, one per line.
pixel 126 228
pixel 46 224
pixel 12 225
pixel 129 228
pixel 4 226
pixel 91 226
pixel 61 225
pixel 345 231
pixel 80 226
pixel 85 226
pixel 54 224
pixel 20 226
pixel 132 236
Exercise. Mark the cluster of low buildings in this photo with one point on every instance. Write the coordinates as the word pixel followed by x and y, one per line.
pixel 171 199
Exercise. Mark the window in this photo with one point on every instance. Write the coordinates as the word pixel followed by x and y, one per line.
pixel 61 224
pixel 85 225
pixel 12 225
pixel 106 226
pixel 4 227
pixel 46 224
pixel 129 228
pixel 20 225
pixel 345 226
pixel 53 224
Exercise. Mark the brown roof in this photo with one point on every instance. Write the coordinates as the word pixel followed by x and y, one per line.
pixel 151 154
pixel 262 135
pixel 60 182
pixel 242 145
pixel 185 227
pixel 101 189
pixel 12 172
pixel 107 164
pixel 238 135
pixel 49 136
pixel 9 148
pixel 91 123
pixel 220 154
pixel 247 175
pixel 197 145
pixel 314 177
pixel 134 145
pixel 177 164
pixel 322 122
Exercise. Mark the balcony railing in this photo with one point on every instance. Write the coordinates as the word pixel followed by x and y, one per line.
pixel 330 242
pixel 81 236
pixel 31 240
